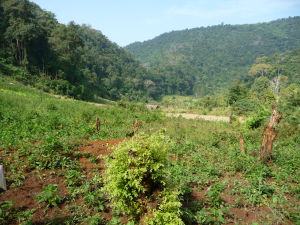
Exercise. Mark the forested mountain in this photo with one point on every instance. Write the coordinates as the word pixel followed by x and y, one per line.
pixel 80 62
pixel 66 59
pixel 206 60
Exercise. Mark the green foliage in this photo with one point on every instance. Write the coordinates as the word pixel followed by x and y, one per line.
pixel 245 105
pixel 206 60
pixel 211 216
pixel 213 194
pixel 136 168
pixel 71 60
pixel 6 209
pixel 168 211
pixel 212 105
pixel 9 214
pixel 96 219
pixel 74 177
pixel 258 119
pixel 237 93
pixel 49 195
pixel 289 105
pixel 50 154
pixel 95 199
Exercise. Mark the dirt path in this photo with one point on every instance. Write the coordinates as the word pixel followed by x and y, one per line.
pixel 197 116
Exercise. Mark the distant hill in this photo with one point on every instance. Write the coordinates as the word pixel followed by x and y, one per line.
pixel 206 60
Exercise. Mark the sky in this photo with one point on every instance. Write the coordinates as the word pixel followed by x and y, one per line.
pixel 127 21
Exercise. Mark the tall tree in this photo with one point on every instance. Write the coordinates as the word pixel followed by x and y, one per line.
pixel 67 44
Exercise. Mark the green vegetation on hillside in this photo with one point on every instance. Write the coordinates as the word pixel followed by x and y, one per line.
pixel 206 60
pixel 72 60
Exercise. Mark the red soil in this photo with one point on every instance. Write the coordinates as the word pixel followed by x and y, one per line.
pixel 97 149
pixel 23 197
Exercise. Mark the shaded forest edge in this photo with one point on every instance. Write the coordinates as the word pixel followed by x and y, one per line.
pixel 73 60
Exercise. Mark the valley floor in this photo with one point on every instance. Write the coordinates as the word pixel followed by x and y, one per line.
pixel 54 159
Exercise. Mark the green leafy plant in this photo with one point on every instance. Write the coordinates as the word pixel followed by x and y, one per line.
pixel 49 195
pixel 211 216
pixel 96 219
pixel 25 217
pixel 213 195
pixel 168 211
pixel 50 155
pixel 95 199
pixel 136 168
pixel 6 212
pixel 74 178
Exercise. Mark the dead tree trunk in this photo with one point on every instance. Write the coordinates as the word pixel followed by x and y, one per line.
pixel 98 124
pixel 242 144
pixel 269 134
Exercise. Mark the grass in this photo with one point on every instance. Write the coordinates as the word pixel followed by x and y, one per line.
pixel 213 105
pixel 40 137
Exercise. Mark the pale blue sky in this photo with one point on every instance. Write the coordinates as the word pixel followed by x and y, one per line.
pixel 127 21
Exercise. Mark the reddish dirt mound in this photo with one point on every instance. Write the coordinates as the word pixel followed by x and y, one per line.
pixel 96 149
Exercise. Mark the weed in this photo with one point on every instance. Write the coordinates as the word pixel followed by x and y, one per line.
pixel 6 212
pixel 95 199
pixel 211 216
pixel 74 178
pixel 213 195
pixel 49 195
pixel 96 219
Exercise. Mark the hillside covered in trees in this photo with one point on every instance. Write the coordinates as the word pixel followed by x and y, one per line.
pixel 80 62
pixel 72 60
pixel 206 60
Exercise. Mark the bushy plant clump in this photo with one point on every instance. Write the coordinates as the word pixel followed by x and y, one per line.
pixel 168 211
pixel 135 171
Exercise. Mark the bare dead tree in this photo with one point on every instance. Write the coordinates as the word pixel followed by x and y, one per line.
pixel 98 124
pixel 270 134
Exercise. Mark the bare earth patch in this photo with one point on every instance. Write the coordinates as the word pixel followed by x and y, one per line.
pixel 96 149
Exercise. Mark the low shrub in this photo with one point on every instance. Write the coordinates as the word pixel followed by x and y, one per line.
pixel 137 169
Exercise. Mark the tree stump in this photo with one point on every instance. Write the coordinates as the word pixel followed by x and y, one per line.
pixel 270 134
pixel 98 124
